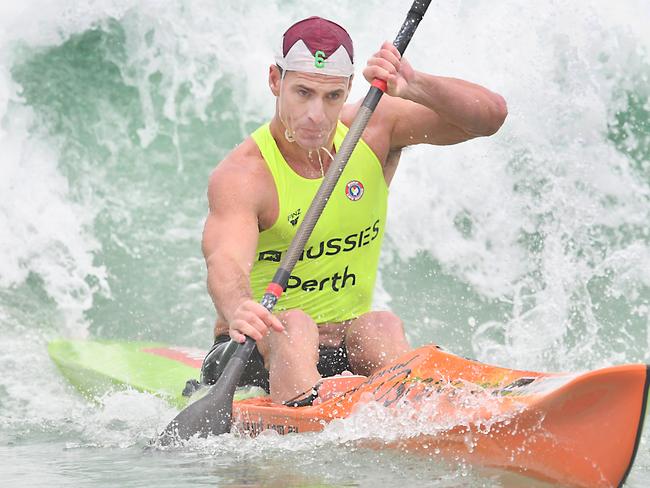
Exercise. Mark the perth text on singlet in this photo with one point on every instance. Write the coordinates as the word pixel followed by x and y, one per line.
pixel 336 282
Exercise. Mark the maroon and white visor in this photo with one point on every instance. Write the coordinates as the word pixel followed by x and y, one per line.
pixel 317 45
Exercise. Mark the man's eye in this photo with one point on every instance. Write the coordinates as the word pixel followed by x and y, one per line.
pixel 334 96
pixel 303 93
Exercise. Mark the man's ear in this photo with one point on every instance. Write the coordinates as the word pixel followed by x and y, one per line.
pixel 274 79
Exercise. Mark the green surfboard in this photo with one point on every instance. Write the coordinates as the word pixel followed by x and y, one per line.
pixel 95 367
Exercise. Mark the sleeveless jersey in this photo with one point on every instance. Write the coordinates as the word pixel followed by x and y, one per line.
pixel 335 277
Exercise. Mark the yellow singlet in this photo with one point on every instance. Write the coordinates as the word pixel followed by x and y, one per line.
pixel 334 279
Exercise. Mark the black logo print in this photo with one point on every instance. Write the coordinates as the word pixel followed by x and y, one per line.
pixel 293 217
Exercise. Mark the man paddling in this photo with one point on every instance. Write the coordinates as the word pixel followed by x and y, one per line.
pixel 259 193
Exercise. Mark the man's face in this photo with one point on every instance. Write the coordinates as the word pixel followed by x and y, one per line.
pixel 310 105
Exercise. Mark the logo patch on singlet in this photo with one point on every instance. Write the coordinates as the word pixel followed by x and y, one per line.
pixel 274 256
pixel 293 217
pixel 354 190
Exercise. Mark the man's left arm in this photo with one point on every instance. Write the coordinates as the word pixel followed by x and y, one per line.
pixel 423 108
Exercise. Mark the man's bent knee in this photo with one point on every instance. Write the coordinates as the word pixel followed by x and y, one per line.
pixel 382 324
pixel 295 318
pixel 299 337
pixel 374 340
pixel 388 324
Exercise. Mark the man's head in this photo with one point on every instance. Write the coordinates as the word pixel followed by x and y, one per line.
pixel 312 79
pixel 319 46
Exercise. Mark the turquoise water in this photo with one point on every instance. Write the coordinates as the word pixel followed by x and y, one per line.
pixel 528 249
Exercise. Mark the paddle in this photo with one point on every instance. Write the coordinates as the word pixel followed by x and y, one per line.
pixel 212 413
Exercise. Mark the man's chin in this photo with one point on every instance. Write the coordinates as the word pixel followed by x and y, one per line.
pixel 311 144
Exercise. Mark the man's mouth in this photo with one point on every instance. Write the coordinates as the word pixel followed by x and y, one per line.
pixel 313 131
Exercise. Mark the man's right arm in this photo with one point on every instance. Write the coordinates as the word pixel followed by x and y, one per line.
pixel 229 244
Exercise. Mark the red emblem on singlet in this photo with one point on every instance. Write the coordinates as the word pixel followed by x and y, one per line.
pixel 354 190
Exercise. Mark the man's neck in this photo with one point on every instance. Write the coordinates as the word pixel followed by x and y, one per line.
pixel 293 153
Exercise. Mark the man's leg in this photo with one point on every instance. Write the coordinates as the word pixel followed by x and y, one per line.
pixel 374 340
pixel 291 356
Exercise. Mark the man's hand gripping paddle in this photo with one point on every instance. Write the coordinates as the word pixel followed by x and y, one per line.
pixel 212 414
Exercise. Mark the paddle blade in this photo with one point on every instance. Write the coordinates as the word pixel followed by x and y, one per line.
pixel 211 414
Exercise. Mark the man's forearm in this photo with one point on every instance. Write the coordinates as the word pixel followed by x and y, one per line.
pixel 228 286
pixel 473 108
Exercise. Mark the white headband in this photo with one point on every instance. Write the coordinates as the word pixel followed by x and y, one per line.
pixel 299 58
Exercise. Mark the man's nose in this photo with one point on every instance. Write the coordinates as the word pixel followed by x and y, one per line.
pixel 316 112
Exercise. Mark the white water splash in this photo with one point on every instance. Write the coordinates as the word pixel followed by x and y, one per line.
pixel 550 176
pixel 43 232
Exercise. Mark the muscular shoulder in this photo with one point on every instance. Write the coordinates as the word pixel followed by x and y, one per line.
pixel 240 180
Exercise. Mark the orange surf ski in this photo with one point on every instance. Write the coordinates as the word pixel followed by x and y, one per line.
pixel 573 429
